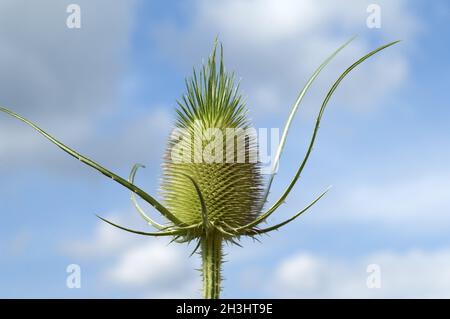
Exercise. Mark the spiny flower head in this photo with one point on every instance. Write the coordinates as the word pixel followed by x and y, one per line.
pixel 212 117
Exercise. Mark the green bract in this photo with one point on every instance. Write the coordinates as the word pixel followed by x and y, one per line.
pixel 217 198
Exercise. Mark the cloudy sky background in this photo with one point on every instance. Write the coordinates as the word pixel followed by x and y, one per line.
pixel 109 90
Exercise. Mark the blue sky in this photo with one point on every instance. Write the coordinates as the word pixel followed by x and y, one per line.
pixel 109 90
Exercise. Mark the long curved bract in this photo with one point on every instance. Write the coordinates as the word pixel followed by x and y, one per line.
pixel 283 197
pixel 148 198
pixel 136 204
pixel 157 234
pixel 291 116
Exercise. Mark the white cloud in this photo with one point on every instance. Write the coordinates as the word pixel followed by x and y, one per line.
pixel 106 241
pixel 147 267
pixel 61 78
pixel 242 19
pixel 413 274
pixel 48 67
pixel 162 270
pixel 275 45
pixel 419 201
pixel 421 196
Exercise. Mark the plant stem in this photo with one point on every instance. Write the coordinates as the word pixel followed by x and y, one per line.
pixel 212 262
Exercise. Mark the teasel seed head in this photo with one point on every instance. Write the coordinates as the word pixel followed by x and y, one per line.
pixel 213 112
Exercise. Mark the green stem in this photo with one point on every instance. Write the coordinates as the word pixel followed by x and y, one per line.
pixel 212 261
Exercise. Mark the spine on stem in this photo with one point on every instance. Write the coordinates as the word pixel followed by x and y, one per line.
pixel 211 250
